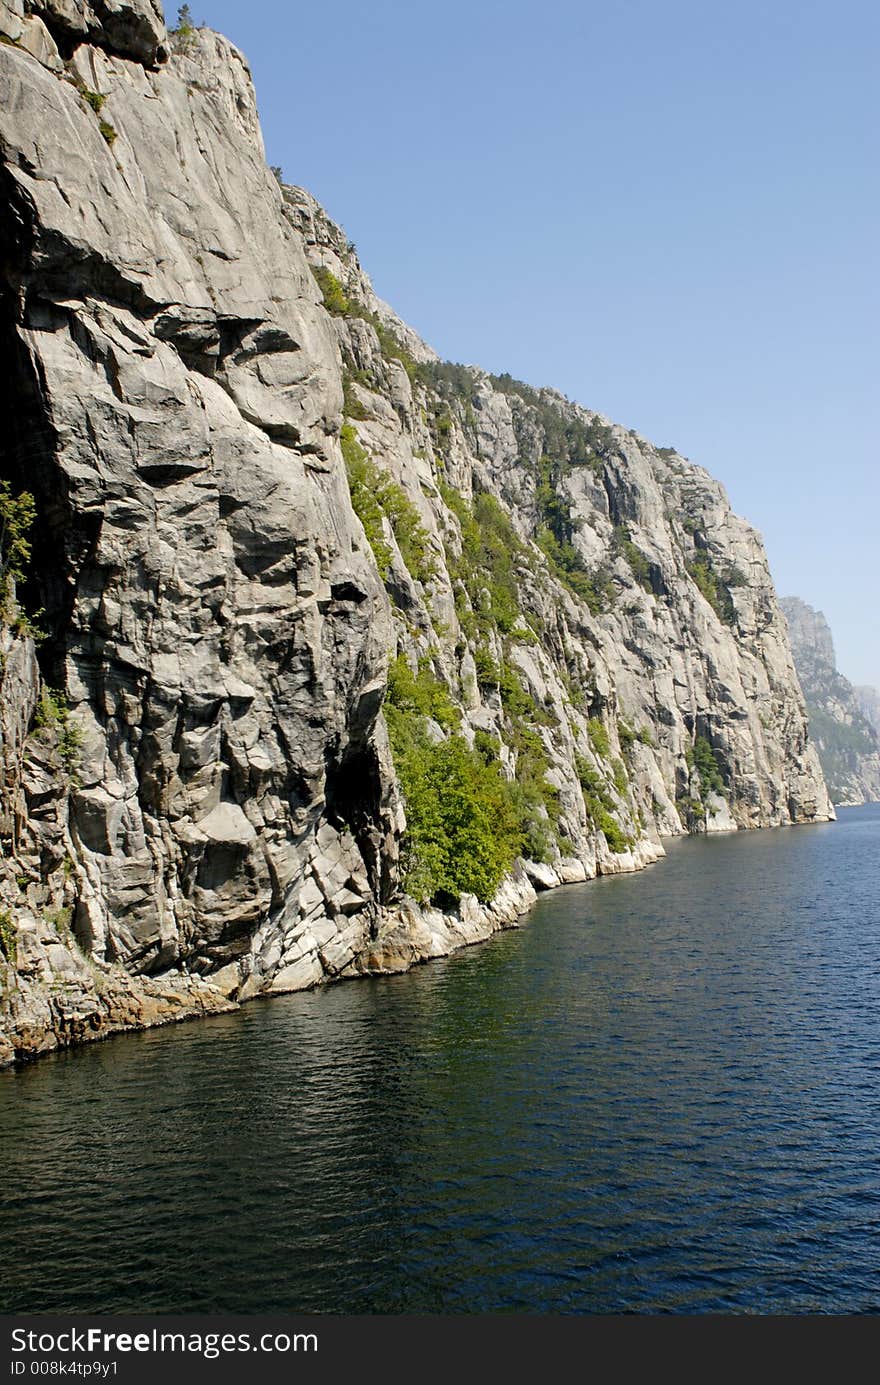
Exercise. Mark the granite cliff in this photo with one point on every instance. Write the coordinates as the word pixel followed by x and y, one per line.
pixel 272 528
pixel 840 725
pixel 868 700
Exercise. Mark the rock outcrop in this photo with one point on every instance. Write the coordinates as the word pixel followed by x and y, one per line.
pixel 868 700
pixel 847 742
pixel 200 802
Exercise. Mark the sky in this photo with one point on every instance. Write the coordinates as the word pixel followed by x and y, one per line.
pixel 667 209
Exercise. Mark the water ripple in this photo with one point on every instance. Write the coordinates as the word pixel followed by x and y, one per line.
pixel 660 1095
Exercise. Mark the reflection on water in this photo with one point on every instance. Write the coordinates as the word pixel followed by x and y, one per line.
pixel 660 1094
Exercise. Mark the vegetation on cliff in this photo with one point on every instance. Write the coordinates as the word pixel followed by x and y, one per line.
pixel 17 514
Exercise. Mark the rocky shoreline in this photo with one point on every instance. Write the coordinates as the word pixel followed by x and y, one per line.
pixel 62 998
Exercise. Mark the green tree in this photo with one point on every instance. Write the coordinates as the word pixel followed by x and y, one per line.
pixel 702 758
pixel 463 831
pixel 336 301
pixel 17 513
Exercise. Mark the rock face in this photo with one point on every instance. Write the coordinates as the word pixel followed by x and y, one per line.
pixel 207 808
pixel 846 739
pixel 869 705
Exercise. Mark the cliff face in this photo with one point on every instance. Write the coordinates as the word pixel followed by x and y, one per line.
pixel 209 799
pixel 841 727
pixel 868 700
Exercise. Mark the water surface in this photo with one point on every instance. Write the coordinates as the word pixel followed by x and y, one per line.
pixel 662 1093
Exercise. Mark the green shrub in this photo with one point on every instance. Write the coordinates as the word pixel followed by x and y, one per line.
pixel 614 835
pixel 390 347
pixel 374 496
pixel 420 692
pixel 351 404
pixel 488 673
pixel 487 745
pixel 452 794
pixel 702 758
pixel 70 743
pixel 29 626
pixel 490 552
pixel 108 131
pixel 94 98
pixel 462 833
pixel 339 304
pixel 596 589
pixel 443 426
pixel 537 836
pixel 555 534
pixel 335 299
pixel 8 937
pixel 535 799
pixel 516 702
pixel 598 734
pixel 704 578
pixel 577 694
pixel 690 810
pixel 590 779
pixel 53 713
pixel 59 919
pixel 639 565
pixel 51 709
pixel 599 804
pixel 362 488
pixel 715 587
pixel 626 735
pixel 556 527
pixel 411 535
pixel 17 513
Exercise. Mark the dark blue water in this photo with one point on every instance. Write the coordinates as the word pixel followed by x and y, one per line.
pixel 661 1094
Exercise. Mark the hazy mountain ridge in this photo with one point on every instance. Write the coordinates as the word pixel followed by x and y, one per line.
pixel 847 739
pixel 868 699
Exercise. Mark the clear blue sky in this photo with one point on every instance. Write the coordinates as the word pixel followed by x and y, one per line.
pixel 668 209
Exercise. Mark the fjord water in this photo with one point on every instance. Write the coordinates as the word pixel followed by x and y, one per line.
pixel 662 1093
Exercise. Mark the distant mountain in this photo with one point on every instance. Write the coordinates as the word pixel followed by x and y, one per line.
pixel 869 705
pixel 844 721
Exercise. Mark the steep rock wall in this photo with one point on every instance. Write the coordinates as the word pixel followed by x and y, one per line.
pixel 688 640
pixel 868 700
pixel 846 740
pixel 215 614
